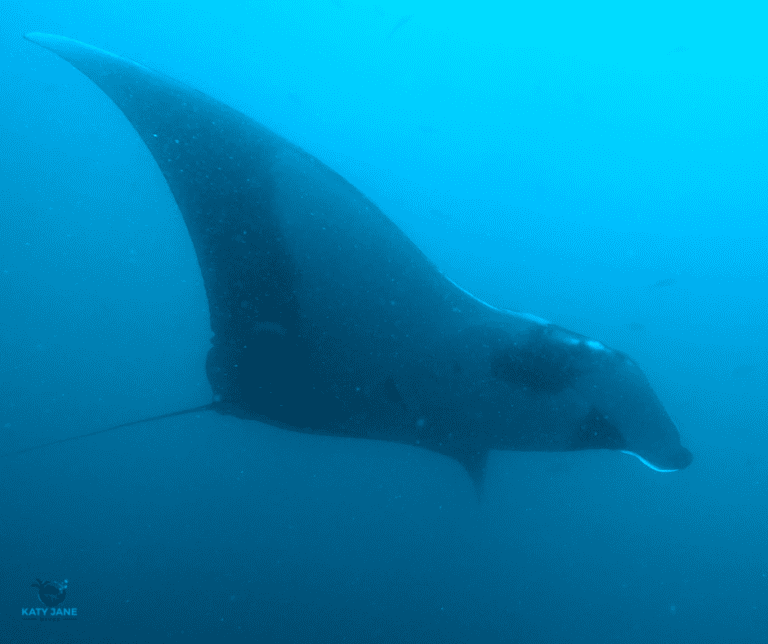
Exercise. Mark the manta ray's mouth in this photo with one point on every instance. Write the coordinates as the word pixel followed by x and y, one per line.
pixel 681 460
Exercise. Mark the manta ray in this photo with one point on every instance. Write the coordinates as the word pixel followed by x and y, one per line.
pixel 327 319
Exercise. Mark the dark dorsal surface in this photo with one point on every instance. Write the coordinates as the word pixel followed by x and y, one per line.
pixel 328 319
pixel 300 269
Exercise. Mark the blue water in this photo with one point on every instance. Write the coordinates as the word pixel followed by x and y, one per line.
pixel 603 170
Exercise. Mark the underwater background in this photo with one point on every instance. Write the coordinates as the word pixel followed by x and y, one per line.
pixel 602 166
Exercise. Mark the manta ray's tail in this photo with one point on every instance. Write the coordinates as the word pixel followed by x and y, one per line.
pixel 207 407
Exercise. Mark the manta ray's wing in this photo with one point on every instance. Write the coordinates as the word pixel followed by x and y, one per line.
pixel 312 290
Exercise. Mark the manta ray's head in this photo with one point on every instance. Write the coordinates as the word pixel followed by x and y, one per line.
pixel 621 396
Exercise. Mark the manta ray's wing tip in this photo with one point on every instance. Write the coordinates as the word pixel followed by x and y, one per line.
pixel 39 38
pixel 67 48
pixel 60 45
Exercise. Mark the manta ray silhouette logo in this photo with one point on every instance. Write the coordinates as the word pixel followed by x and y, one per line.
pixel 50 593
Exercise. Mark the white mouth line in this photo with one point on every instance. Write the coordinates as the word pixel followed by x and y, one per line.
pixel 644 462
